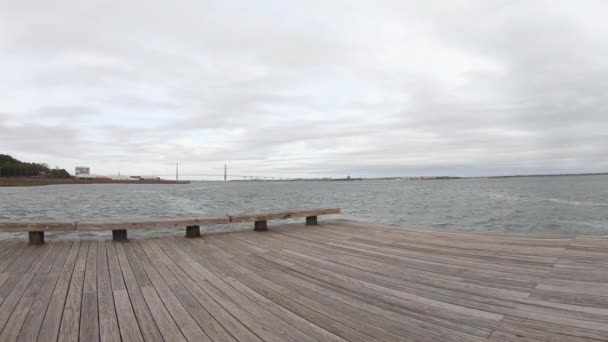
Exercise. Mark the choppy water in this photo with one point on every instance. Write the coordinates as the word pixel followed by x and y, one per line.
pixel 576 204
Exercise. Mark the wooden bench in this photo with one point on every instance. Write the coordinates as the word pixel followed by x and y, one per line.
pixel 36 229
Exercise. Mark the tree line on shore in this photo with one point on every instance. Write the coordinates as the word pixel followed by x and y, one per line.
pixel 11 167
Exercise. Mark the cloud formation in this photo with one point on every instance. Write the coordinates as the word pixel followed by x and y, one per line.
pixel 282 88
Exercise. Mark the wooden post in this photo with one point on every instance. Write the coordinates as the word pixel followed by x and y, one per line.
pixel 260 226
pixel 193 231
pixel 119 235
pixel 36 238
pixel 311 221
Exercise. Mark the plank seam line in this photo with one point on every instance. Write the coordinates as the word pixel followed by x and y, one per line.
pixel 33 265
pixel 164 249
pixel 102 244
pixel 362 331
pixel 65 299
pixel 38 292
pixel 53 291
pixel 84 272
pixel 502 316
pixel 153 264
pixel 214 299
pixel 97 287
pixel 131 261
pixel 278 317
pixel 153 287
pixel 105 246
pixel 228 311
pixel 240 258
pixel 557 260
pixel 245 261
pixel 126 289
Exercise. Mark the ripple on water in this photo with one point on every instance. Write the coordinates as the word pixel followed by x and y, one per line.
pixel 560 204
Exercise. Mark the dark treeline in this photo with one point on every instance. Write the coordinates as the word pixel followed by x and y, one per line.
pixel 11 167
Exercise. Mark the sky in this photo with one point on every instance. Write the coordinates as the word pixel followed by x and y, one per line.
pixel 306 88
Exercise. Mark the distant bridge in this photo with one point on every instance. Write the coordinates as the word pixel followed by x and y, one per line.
pixel 227 176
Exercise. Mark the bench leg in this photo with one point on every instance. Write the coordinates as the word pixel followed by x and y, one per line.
pixel 311 221
pixel 260 226
pixel 119 235
pixel 193 231
pixel 36 238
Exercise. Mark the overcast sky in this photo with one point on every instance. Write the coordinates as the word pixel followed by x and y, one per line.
pixel 306 88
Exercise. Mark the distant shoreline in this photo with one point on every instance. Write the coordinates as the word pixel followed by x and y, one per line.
pixel 451 177
pixel 550 175
pixel 23 182
pixel 16 182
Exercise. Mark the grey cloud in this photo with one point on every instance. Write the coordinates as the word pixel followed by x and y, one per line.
pixel 50 141
pixel 65 112
pixel 467 87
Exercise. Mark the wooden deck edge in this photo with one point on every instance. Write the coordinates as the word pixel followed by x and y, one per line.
pixel 38 226
pixel 282 215
pixel 100 225
pixel 149 224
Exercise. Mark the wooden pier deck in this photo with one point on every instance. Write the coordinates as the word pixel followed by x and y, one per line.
pixel 338 281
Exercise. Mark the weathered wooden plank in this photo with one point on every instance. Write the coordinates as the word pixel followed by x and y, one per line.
pixel 190 280
pixel 282 215
pixel 353 305
pixel 257 325
pixel 544 331
pixel 100 225
pixel 13 254
pixel 325 315
pixel 52 319
pixel 150 224
pixel 388 242
pixel 351 315
pixel 425 259
pixel 182 318
pixel 166 325
pixel 89 314
pixel 206 321
pixel 128 327
pixel 9 247
pixel 108 323
pixel 40 306
pixel 70 321
pixel 339 281
pixel 294 320
pixel 245 309
pixel 13 326
pixel 18 283
pixel 37 226
pixel 147 326
pixel 404 274
pixel 436 283
pixel 163 319
pixel 500 336
pixel 116 278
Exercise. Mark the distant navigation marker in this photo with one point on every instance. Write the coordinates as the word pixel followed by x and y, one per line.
pixel 225 173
